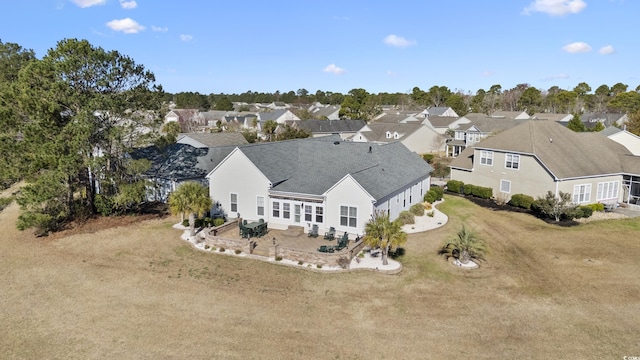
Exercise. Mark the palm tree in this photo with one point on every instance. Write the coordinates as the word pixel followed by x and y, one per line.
pixel 465 246
pixel 383 233
pixel 190 197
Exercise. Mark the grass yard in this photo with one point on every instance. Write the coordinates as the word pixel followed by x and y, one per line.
pixel 139 292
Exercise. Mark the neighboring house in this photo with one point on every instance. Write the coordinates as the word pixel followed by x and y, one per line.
pixel 563 118
pixel 516 115
pixel 322 112
pixel 346 128
pixel 278 105
pixel 319 181
pixel 623 137
pixel 443 123
pixel 279 116
pixel 608 120
pixel 415 136
pixel 476 130
pixel 397 117
pixel 539 156
pixel 190 120
pixel 177 163
pixel 440 111
pixel 207 140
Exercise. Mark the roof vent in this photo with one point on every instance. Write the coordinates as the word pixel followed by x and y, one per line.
pixel 370 149
pixel 336 143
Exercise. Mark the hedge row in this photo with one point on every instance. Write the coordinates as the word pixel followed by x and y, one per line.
pixel 468 189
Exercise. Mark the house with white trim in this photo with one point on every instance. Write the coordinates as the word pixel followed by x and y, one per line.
pixel 323 181
pixel 543 155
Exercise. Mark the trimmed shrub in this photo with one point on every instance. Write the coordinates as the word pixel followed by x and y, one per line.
pixel 438 191
pixel 431 213
pixel 218 222
pixel 221 249
pixel 455 186
pixel 478 191
pixel 430 197
pixel 406 217
pixel 278 258
pixel 199 223
pixel 583 211
pixel 417 209
pixel 596 207
pixel 522 201
pixel 185 222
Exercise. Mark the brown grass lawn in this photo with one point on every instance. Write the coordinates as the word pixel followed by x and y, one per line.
pixel 139 292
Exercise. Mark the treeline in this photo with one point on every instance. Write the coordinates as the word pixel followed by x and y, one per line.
pixel 617 98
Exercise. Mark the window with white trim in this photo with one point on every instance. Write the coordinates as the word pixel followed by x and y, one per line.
pixel 607 190
pixel 286 210
pixel 486 157
pixel 319 214
pixel 234 202
pixel 505 186
pixel 512 161
pixel 308 213
pixel 260 205
pixel 348 216
pixel 581 193
pixel 459 135
pixel 276 209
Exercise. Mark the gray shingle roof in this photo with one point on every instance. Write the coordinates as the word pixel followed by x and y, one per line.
pixel 379 131
pixel 565 153
pixel 217 139
pixel 437 110
pixel 330 126
pixel 490 125
pixel 312 166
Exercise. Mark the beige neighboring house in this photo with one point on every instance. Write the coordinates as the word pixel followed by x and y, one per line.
pixel 515 115
pixel 415 136
pixel 540 156
pixel 324 112
pixel 279 116
pixel 475 130
pixel 443 123
pixel 208 140
pixel 396 117
pixel 563 118
pixel 629 140
pixel 440 111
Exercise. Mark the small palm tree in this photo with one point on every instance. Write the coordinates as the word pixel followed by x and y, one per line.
pixel 383 233
pixel 465 246
pixel 193 198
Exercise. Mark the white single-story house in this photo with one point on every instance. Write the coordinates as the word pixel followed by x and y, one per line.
pixel 323 181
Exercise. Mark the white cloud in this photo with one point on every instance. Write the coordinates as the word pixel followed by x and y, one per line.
pixel 556 77
pixel 334 69
pixel 392 73
pixel 185 37
pixel 127 26
pixel 488 73
pixel 606 50
pixel 577 47
pixel 398 41
pixel 131 4
pixel 88 3
pixel 555 7
pixel 159 29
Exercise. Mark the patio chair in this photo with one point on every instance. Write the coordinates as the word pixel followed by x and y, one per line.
pixel 323 248
pixel 314 231
pixel 331 234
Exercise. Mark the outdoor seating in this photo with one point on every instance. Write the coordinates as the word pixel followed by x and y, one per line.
pixel 343 242
pixel 314 231
pixel 331 234
pixel 253 229
pixel 325 249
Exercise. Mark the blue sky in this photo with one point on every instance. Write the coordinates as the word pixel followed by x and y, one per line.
pixel 380 46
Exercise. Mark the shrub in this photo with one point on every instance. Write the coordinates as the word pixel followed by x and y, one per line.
pixel 221 249
pixel 596 207
pixel 583 211
pixel 104 205
pixel 417 209
pixel 300 262
pixel 455 186
pixel 438 191
pixel 218 222
pixel 428 157
pixel 522 201
pixel 206 247
pixel 431 213
pixel 319 266
pixel 478 191
pixel 278 258
pixel 185 222
pixel 406 217
pixel 199 223
pixel 238 251
pixel 430 196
